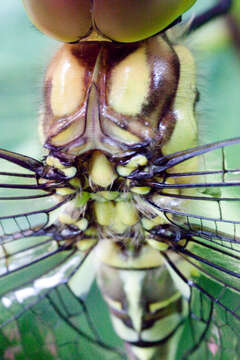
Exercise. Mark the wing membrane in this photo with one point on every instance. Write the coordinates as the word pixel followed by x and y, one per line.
pixel 21 173
pixel 23 161
pixel 27 205
pixel 217 166
pixel 208 200
pixel 40 277
pixel 218 160
pixel 213 323
pixel 60 325
pixel 204 206
pixel 53 308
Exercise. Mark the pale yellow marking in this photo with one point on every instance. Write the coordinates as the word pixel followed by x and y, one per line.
pixel 162 304
pixel 119 216
pixel 138 160
pixel 65 191
pixel 184 111
pixel 133 164
pixel 101 170
pixel 170 181
pixel 140 190
pixel 82 224
pixel 123 331
pixel 148 224
pixel 68 171
pixel 144 353
pixel 68 134
pixel 66 219
pixel 124 171
pixel 121 134
pixel 104 212
pixel 113 304
pixel 183 288
pixel 127 213
pixel 68 90
pixel 158 245
pixel 54 162
pixel 43 181
pixel 118 227
pixel 124 96
pixel 86 244
pixel 133 283
pixel 111 255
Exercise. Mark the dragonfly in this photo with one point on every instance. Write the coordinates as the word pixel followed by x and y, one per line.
pixel 123 193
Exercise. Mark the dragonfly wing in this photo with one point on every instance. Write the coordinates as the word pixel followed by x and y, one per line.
pixel 204 206
pixel 212 326
pixel 204 200
pixel 47 303
pixel 23 161
pixel 60 325
pixel 44 283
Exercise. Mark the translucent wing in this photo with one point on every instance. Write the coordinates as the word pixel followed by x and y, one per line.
pixel 44 272
pixel 203 207
pixel 44 282
pixel 59 320
pixel 212 328
pixel 204 202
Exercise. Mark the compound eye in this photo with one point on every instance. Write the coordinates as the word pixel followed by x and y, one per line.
pixel 134 20
pixel 64 20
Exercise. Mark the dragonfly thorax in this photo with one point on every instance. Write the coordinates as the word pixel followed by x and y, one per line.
pixel 92 101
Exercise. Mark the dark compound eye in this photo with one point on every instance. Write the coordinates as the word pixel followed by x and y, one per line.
pixel 119 20
pixel 134 20
pixel 65 20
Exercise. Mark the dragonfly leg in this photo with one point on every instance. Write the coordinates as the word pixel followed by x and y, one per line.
pixel 163 237
pixel 222 7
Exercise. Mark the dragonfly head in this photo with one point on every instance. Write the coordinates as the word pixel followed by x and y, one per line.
pixel 119 20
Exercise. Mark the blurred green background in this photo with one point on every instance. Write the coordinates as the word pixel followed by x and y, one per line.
pixel 25 52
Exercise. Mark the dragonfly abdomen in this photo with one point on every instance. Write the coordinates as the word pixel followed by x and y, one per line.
pixel 145 306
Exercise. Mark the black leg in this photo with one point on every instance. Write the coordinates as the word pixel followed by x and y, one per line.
pixel 221 8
